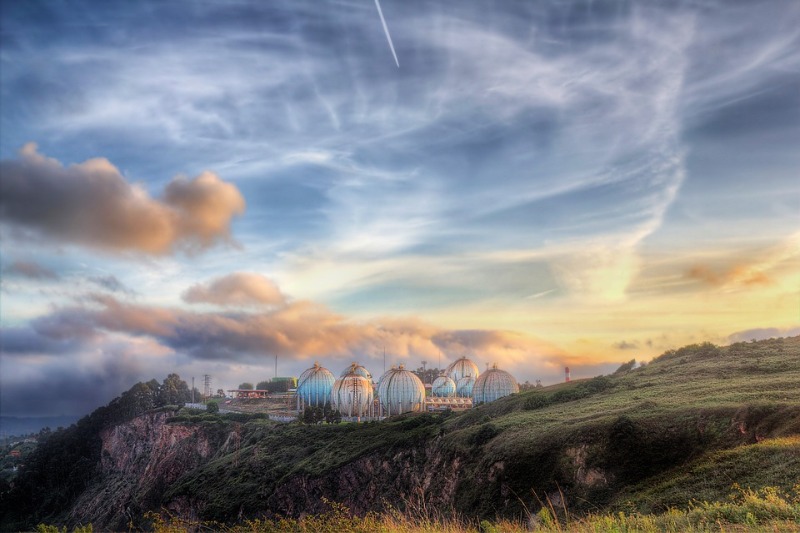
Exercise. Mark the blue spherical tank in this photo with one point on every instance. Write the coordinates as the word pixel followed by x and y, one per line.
pixel 314 386
pixel 443 387
pixel 493 384
pixel 462 367
pixel 357 369
pixel 464 387
pixel 401 391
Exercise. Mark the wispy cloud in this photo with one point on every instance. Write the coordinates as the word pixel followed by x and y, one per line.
pixel 111 283
pixel 30 269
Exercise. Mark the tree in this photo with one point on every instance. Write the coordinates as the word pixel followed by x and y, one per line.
pixel 263 385
pixel 624 368
pixel 246 386
pixel 331 415
pixel 137 400
pixel 174 391
pixel 213 408
pixel 312 415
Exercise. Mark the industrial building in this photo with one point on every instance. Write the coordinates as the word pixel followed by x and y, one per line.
pixel 400 391
pixel 314 387
pixel 492 385
pixel 397 391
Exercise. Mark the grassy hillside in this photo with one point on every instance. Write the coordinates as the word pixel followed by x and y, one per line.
pixel 640 440
pixel 694 424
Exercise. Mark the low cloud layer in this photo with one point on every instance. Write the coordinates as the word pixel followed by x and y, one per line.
pixel 237 289
pixel 298 330
pixel 92 204
pixel 74 347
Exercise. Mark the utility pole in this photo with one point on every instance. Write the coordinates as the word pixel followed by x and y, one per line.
pixel 424 375
pixel 192 389
pixel 276 365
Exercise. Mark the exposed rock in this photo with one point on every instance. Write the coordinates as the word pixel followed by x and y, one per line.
pixel 140 459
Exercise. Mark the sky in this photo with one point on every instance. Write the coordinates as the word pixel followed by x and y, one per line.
pixel 201 186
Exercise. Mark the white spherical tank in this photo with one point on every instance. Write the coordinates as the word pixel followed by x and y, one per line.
pixel 314 386
pixel 401 391
pixel 357 369
pixel 464 387
pixel 383 376
pixel 462 367
pixel 493 384
pixel 443 387
pixel 351 395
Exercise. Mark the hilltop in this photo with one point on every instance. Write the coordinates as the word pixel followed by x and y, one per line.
pixel 686 426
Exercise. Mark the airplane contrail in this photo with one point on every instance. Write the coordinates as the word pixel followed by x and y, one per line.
pixel 386 31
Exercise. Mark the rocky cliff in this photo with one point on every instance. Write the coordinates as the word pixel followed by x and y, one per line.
pixel 140 460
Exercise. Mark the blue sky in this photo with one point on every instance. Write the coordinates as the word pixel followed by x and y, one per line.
pixel 537 184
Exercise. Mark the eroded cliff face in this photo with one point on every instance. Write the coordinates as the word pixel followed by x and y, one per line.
pixel 415 478
pixel 150 463
pixel 140 459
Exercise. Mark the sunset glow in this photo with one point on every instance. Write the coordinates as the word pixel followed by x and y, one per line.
pixel 197 187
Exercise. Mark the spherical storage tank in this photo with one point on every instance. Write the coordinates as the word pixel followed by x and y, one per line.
pixel 464 387
pixel 462 367
pixel 357 369
pixel 351 395
pixel 314 386
pixel 443 387
pixel 493 384
pixel 401 391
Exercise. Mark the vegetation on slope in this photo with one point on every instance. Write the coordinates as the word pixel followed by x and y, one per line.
pixel 688 425
pixel 66 461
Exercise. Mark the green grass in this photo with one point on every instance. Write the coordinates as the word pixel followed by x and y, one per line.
pixel 663 444
pixel 682 427
pixel 767 509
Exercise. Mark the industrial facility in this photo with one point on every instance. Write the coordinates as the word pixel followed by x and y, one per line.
pixel 399 390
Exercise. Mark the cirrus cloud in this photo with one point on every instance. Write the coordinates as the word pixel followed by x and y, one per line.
pixel 29 269
pixel 92 204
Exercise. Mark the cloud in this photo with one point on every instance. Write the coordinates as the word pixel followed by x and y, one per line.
pixel 27 341
pixel 92 204
pixel 31 270
pixel 82 377
pixel 110 283
pixel 740 275
pixel 237 289
pixel 298 330
pixel 625 345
